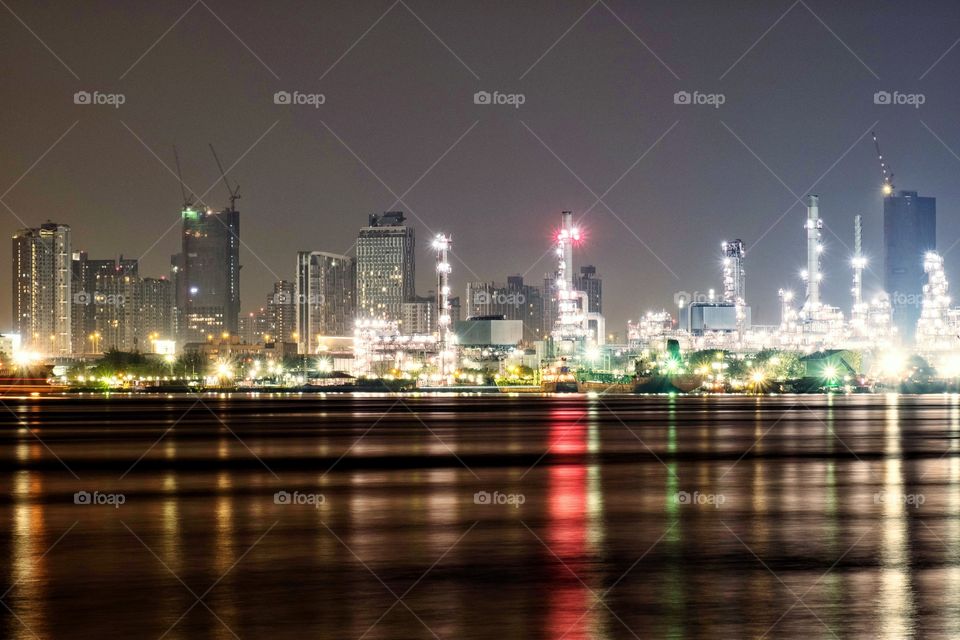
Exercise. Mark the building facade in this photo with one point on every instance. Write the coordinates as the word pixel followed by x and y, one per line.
pixel 385 266
pixel 419 316
pixel 590 283
pixel 514 301
pixel 114 308
pixel 909 231
pixel 207 274
pixel 325 294
pixel 282 311
pixel 43 288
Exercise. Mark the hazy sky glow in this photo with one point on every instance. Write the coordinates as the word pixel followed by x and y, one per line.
pixel 399 129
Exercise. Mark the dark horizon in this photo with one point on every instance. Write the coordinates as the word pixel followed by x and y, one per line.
pixel 598 83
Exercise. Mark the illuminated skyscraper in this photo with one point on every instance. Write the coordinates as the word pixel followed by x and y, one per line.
pixel 208 274
pixel 909 232
pixel 42 288
pixel 282 310
pixel 325 292
pixel 385 266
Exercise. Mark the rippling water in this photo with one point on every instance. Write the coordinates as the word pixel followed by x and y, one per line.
pixel 480 517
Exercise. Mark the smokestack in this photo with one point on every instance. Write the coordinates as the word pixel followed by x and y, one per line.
pixel 814 224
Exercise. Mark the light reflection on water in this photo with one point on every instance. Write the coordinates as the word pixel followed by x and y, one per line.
pixel 801 546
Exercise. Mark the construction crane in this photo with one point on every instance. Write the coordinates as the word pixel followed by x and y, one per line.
pixel 234 192
pixel 187 200
pixel 884 168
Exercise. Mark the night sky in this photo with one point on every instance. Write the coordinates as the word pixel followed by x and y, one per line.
pixel 399 130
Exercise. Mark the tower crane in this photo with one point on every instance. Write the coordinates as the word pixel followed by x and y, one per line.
pixel 885 169
pixel 187 200
pixel 235 191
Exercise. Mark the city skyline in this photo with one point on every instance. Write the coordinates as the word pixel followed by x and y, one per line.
pixel 458 319
pixel 496 173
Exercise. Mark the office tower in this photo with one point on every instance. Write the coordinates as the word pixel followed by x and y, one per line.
pixel 282 311
pixel 114 308
pixel 909 232
pixel 42 288
pixel 513 301
pixel 111 302
pixel 529 309
pixel 385 266
pixel 155 315
pixel 419 316
pixel 81 313
pixel 325 295
pixel 590 283
pixel 208 274
pixel 254 327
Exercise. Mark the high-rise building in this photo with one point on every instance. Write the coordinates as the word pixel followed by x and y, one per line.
pixel 112 305
pixel 513 301
pixel 114 308
pixel 156 310
pixel 254 327
pixel 590 283
pixel 282 311
pixel 419 316
pixel 325 294
pixel 208 274
pixel 81 313
pixel 42 288
pixel 909 232
pixel 385 266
